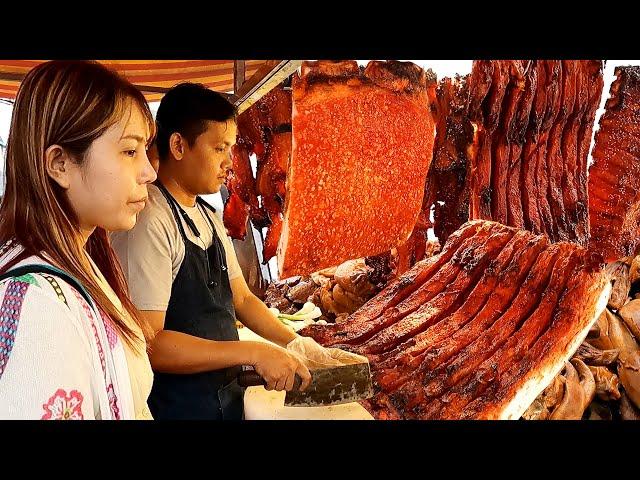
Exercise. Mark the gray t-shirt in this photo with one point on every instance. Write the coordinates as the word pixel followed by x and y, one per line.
pixel 152 252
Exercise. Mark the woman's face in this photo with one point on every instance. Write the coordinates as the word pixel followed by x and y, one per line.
pixel 110 188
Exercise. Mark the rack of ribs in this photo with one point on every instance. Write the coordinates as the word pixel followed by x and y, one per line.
pixel 477 331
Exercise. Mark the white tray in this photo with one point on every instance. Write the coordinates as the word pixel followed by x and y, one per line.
pixel 260 404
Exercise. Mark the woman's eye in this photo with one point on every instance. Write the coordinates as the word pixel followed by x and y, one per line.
pixel 131 153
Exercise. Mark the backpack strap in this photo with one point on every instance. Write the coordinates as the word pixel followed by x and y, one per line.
pixel 50 269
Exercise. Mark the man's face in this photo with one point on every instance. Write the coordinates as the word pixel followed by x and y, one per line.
pixel 207 161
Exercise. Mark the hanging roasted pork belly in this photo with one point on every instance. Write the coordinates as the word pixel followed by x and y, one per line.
pixel 447 186
pixel 362 145
pixel 264 129
pixel 534 121
pixel 242 193
pixel 614 176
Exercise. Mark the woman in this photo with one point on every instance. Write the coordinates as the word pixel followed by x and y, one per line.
pixel 76 168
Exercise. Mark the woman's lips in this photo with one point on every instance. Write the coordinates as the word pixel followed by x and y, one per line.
pixel 139 204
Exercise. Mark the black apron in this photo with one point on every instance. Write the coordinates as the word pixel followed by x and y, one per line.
pixel 201 304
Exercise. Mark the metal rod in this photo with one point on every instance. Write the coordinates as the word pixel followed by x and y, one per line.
pixel 263 81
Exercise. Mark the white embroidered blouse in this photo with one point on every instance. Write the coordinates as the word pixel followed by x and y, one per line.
pixel 60 358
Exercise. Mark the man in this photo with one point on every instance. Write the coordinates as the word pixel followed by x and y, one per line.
pixel 152 155
pixel 184 277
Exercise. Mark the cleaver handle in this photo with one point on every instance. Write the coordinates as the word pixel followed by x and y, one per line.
pixel 251 378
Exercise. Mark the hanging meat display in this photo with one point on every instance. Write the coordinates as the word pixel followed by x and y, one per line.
pixel 534 121
pixel 264 129
pixel 447 188
pixel 362 145
pixel 501 323
pixel 614 177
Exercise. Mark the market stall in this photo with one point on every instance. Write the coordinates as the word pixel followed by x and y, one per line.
pixel 501 323
pixel 450 230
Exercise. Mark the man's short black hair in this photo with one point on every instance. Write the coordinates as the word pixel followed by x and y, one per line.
pixel 185 109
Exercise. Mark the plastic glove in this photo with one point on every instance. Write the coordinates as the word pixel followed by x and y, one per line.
pixel 315 356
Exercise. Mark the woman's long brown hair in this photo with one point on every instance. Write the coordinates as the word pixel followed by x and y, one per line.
pixel 71 104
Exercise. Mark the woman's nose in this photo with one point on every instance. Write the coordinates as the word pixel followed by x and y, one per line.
pixel 149 174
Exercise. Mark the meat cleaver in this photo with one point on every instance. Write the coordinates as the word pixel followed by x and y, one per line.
pixel 329 386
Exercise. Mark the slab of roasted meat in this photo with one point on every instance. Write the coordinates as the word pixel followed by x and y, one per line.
pixel 447 189
pixel 264 129
pixel 446 192
pixel 614 176
pixel 242 193
pixel 534 121
pixel 362 145
pixel 477 331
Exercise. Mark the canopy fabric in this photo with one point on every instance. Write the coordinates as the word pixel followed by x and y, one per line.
pixel 215 74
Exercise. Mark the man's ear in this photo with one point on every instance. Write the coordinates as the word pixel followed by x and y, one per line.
pixel 58 163
pixel 176 145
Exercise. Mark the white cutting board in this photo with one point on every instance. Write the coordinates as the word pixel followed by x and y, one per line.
pixel 260 404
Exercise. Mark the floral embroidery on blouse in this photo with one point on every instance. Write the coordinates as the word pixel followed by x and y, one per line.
pixel 64 407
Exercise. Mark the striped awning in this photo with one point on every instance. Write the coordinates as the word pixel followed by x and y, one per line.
pixel 155 75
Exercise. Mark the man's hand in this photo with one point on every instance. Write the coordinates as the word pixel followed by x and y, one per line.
pixel 279 367
pixel 316 356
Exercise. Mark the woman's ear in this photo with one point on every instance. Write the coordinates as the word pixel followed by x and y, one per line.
pixel 176 145
pixel 58 163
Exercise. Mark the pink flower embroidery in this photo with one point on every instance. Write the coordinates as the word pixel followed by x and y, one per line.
pixel 64 407
pixel 113 402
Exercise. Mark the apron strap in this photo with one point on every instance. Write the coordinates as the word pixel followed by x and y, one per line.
pixel 202 202
pixel 173 204
pixel 175 208
pixel 214 232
